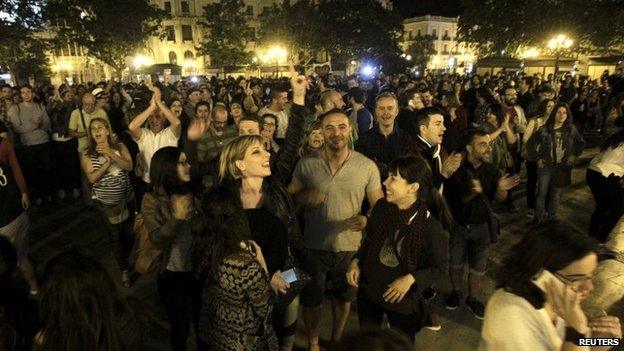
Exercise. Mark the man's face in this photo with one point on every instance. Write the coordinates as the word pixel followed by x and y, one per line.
pixel 248 128
pixel 257 90
pixel 476 82
pixel 434 131
pixel 220 120
pixel 522 84
pixel 336 131
pixel 202 112
pixel 88 103
pixel 26 94
pixel 427 98
pixel 206 95
pixel 511 97
pixel 195 97
pixel 336 101
pixel 68 96
pixel 546 95
pixel 156 122
pixel 281 101
pixel 480 148
pixel 386 111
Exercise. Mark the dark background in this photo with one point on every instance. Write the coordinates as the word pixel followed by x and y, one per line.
pixel 411 8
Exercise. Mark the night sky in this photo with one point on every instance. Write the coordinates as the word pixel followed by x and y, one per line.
pixel 411 8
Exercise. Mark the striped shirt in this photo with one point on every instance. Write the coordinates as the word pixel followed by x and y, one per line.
pixel 114 187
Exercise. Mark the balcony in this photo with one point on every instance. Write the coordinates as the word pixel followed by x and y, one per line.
pixel 446 38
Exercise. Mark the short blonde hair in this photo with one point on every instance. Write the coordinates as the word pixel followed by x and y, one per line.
pixel 235 151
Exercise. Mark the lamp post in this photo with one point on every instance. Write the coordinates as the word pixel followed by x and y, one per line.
pixel 558 44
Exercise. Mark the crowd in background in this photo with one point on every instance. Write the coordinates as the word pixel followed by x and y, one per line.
pixel 253 197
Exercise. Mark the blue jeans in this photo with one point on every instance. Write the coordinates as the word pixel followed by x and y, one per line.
pixel 544 180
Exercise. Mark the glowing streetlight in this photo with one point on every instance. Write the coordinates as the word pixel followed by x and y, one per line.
pixel 140 60
pixel 558 44
pixel 530 52
pixel 276 54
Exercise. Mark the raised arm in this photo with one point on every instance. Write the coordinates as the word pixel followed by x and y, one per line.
pixel 176 125
pixel 135 126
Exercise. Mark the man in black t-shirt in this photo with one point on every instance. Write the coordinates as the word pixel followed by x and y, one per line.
pixel 470 191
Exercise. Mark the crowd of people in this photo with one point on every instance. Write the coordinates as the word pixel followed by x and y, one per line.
pixel 251 198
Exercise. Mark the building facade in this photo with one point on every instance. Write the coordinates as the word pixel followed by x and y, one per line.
pixel 450 54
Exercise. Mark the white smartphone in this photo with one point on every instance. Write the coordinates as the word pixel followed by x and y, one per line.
pixel 541 279
pixel 290 275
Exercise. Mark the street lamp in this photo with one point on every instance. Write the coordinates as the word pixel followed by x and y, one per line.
pixel 140 61
pixel 277 54
pixel 558 44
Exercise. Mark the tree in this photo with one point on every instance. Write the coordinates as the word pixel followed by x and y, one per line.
pixel 109 30
pixel 22 48
pixel 504 26
pixel 363 29
pixel 226 33
pixel 421 50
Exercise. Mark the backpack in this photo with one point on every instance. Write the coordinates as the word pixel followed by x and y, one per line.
pixel 148 255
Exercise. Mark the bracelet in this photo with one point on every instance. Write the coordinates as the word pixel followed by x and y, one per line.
pixel 572 335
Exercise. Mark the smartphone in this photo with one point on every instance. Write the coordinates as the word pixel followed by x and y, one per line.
pixel 290 275
pixel 541 279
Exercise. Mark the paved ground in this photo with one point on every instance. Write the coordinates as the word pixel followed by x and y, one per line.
pixel 65 224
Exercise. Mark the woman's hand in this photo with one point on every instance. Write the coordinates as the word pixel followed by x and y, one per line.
pixel 259 255
pixel 196 129
pixel 25 201
pixel 398 288
pixel 353 273
pixel 278 284
pixel 566 303
pixel 606 327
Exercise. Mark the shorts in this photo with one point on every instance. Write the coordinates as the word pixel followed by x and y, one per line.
pixel 320 265
pixel 472 244
pixel 17 233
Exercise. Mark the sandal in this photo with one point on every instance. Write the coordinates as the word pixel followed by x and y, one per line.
pixel 126 278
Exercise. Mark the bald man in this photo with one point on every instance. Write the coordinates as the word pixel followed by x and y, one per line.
pixel 80 119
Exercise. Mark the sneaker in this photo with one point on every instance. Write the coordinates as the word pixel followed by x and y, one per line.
pixel 475 306
pixel 453 300
pixel 76 193
pixel 61 194
pixel 434 327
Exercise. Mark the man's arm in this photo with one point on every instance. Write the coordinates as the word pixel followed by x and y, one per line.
pixel 135 126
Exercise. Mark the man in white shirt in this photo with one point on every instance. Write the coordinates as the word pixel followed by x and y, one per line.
pixel 156 136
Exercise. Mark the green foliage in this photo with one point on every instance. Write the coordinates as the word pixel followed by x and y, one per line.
pixel 22 50
pixel 110 30
pixel 226 33
pixel 347 30
pixel 497 25
pixel 421 50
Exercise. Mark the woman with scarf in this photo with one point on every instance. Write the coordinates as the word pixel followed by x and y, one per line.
pixel 405 250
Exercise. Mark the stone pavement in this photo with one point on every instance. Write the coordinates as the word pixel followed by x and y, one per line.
pixel 65 224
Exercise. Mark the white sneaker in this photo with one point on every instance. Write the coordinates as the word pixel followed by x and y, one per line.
pixel 76 193
pixel 61 194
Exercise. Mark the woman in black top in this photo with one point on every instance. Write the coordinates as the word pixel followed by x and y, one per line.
pixel 406 247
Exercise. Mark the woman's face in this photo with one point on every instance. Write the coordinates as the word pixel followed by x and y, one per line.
pixel 116 98
pixel 549 107
pixel 256 162
pixel 562 115
pixel 99 132
pixel 183 168
pixel 236 111
pixel 176 108
pixel 316 140
pixel 398 190
pixel 491 119
pixel 269 127
pixel 578 275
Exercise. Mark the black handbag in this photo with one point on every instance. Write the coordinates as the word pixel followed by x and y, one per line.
pixel 295 287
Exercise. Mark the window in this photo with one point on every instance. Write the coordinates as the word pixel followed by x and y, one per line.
pixel 435 33
pixel 410 37
pixel 249 10
pixel 446 33
pixel 72 49
pixel 188 55
pixel 167 6
pixel 419 33
pixel 170 33
pixel 187 33
pixel 446 48
pixel 173 58
pixel 184 7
